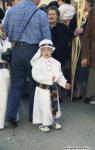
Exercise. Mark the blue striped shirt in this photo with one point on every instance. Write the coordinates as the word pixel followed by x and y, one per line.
pixel 16 18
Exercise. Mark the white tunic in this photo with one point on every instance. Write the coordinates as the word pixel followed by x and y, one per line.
pixel 4 83
pixel 42 72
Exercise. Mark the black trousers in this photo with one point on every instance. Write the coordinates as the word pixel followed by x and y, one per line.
pixel 20 71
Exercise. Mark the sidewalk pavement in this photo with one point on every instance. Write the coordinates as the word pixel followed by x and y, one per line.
pixel 78 132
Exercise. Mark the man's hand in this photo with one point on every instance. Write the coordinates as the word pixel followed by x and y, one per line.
pixel 78 31
pixel 68 86
pixel 84 62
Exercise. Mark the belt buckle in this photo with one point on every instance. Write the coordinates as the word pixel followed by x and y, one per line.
pixel 19 44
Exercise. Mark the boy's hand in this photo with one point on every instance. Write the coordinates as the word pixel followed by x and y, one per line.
pixel 68 86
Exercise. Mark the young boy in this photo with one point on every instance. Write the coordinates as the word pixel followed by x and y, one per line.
pixel 47 73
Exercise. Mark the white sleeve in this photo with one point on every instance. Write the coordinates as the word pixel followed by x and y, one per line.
pixel 39 75
pixel 61 80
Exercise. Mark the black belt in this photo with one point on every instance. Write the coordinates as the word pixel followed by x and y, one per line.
pixel 43 86
pixel 4 65
pixel 23 44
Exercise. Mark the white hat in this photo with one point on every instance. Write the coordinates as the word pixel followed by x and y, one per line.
pixel 67 11
pixel 43 43
pixel 46 43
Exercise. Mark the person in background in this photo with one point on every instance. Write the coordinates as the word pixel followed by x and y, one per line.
pixel 67 11
pixel 81 75
pixel 6 44
pixel 53 3
pixel 4 79
pixel 59 37
pixel 58 34
pixel 46 71
pixel 88 55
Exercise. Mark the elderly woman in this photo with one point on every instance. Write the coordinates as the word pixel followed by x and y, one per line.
pixel 59 34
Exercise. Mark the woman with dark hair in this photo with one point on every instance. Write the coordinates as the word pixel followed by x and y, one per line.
pixel 59 35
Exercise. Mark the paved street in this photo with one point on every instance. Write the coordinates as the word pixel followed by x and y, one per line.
pixel 78 131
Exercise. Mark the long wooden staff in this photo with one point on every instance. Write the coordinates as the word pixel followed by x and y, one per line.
pixel 76 45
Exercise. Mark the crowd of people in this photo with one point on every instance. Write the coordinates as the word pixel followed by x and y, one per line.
pixel 40 38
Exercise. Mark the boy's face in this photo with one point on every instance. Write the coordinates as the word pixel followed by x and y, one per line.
pixel 46 52
pixel 60 2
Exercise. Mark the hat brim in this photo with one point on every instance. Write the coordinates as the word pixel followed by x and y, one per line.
pixel 53 48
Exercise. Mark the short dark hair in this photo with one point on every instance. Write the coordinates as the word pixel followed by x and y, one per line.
pixel 53 3
pixel 55 9
pixel 67 1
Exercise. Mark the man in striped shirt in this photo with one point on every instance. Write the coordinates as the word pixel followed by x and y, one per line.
pixel 26 45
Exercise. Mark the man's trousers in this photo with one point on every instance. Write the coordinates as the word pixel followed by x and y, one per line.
pixel 20 71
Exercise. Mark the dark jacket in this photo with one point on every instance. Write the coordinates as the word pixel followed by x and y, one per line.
pixel 72 26
pixel 88 44
pixel 60 40
pixel 1 15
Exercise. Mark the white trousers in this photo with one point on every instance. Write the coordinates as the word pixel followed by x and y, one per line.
pixel 4 89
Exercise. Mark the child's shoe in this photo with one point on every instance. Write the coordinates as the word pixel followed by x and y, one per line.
pixel 44 128
pixel 57 126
